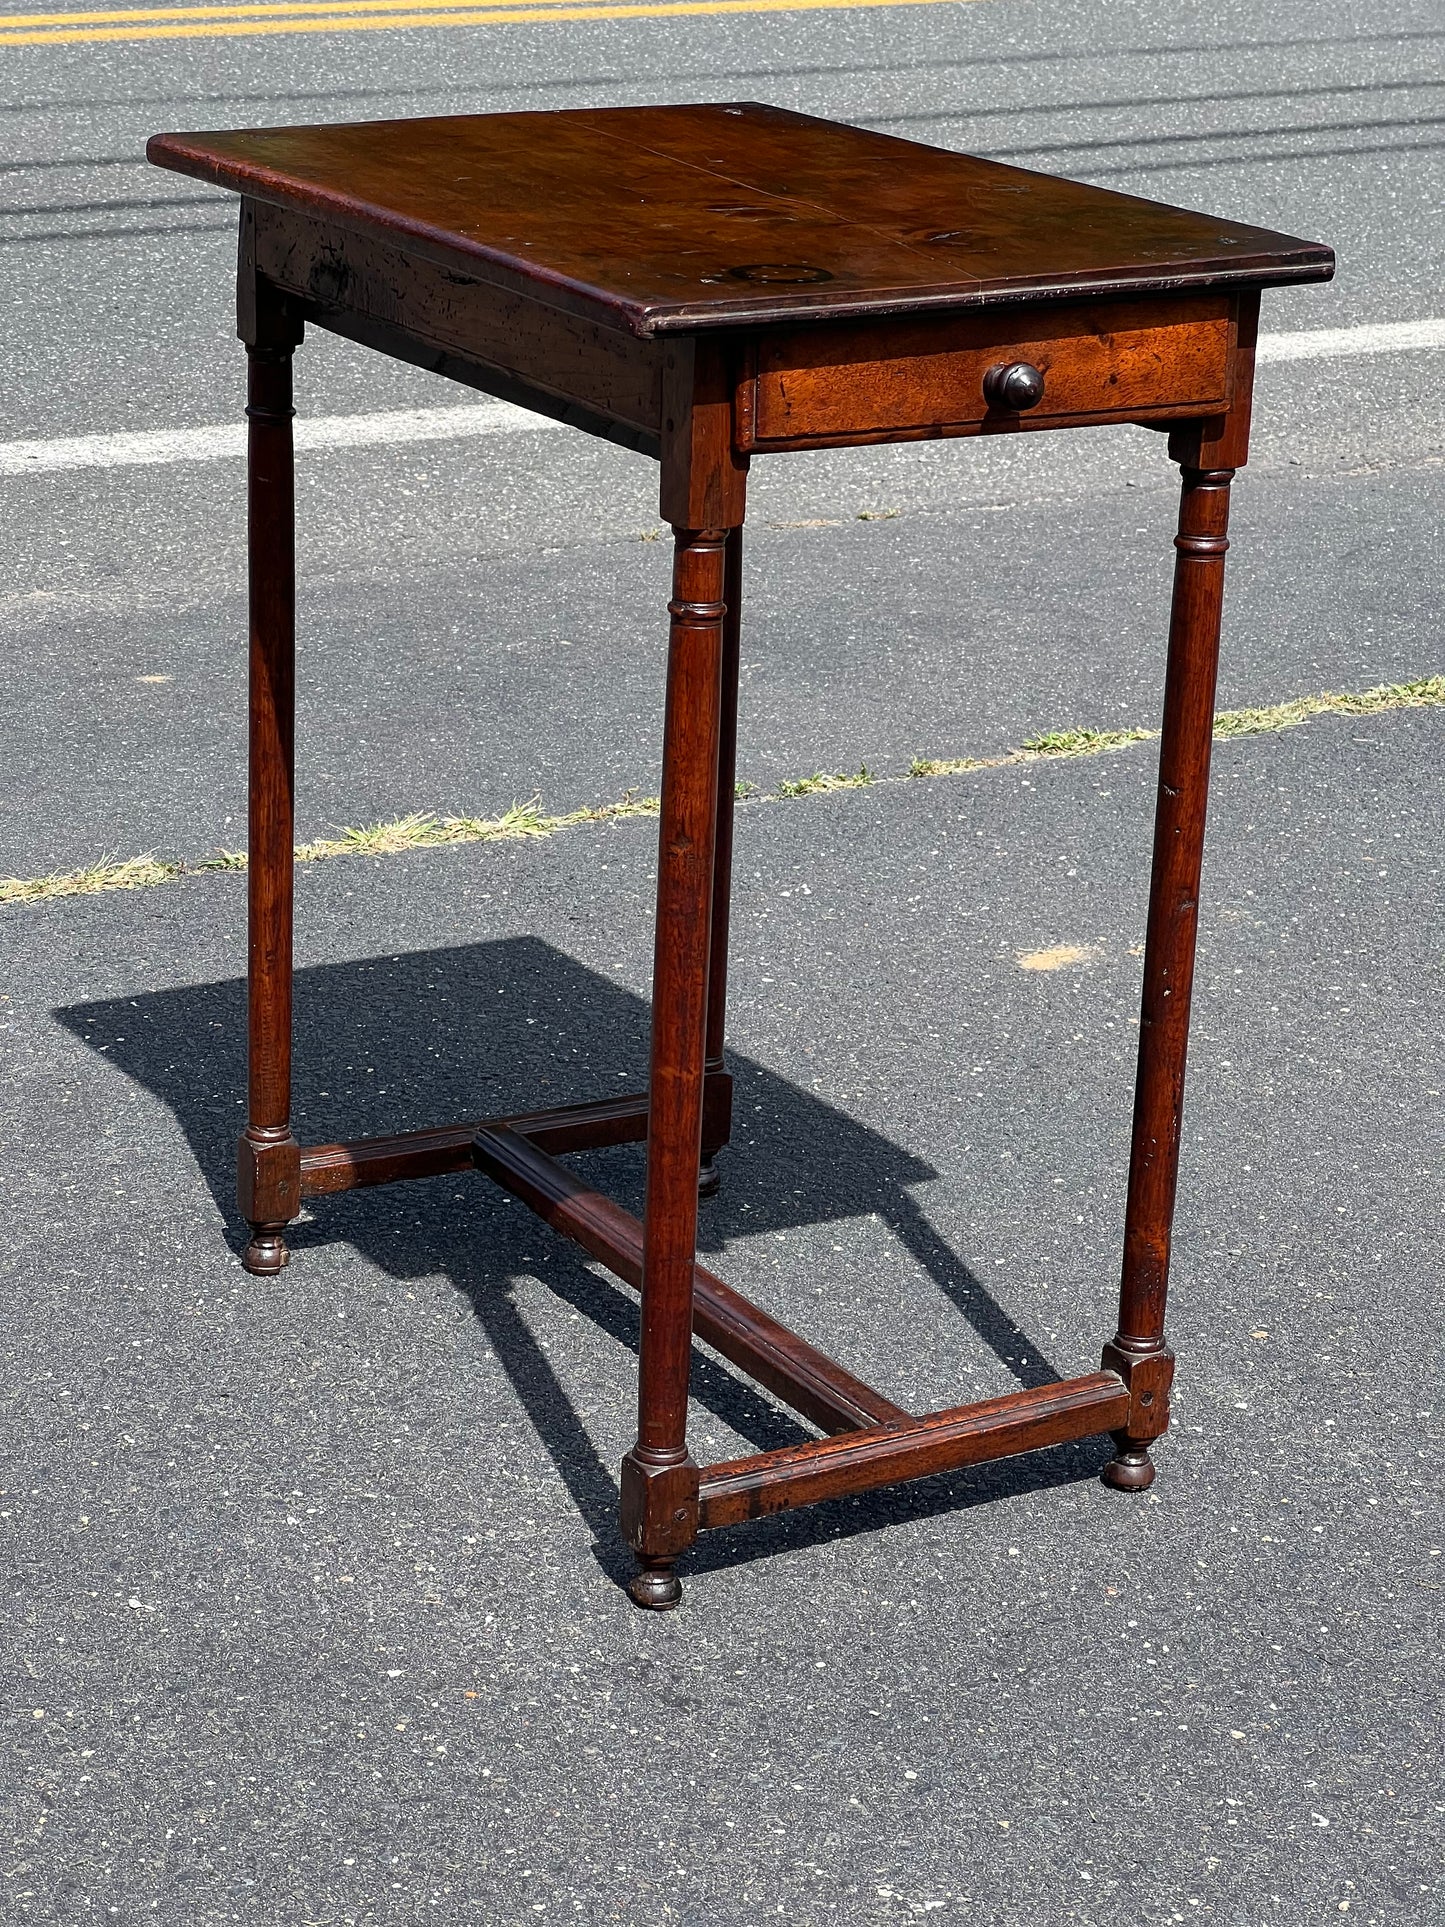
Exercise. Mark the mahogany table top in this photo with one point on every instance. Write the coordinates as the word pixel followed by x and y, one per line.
pixel 685 219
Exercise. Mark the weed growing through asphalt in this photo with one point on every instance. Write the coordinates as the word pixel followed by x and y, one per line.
pixel 1427 692
pixel 1055 743
pixel 1084 742
pixel 818 782
pixel 423 831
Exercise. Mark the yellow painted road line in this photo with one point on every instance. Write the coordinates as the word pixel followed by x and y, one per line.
pixel 143 16
pixel 226 25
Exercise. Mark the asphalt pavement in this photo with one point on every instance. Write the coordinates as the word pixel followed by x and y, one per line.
pixel 314 1604
pixel 313 1592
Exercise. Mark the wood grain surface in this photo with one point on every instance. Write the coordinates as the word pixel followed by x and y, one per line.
pixel 658 219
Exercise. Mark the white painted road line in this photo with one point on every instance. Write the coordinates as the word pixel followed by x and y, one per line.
pixel 1333 344
pixel 153 447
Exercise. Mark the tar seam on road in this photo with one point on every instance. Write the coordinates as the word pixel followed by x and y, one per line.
pixel 421 831
pixel 146 448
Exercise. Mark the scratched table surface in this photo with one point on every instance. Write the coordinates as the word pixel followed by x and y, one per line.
pixel 652 217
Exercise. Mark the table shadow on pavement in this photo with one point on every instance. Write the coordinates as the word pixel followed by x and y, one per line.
pixel 395 1043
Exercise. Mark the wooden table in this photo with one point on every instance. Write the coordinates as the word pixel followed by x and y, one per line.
pixel 707 284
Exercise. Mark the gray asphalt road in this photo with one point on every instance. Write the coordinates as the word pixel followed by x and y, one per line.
pixel 869 643
pixel 312 1613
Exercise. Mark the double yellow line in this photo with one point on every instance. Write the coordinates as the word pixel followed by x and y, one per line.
pixel 363 16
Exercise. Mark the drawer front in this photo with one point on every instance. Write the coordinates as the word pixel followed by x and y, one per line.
pixel 1100 361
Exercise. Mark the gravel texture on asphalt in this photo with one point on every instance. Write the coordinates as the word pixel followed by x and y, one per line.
pixel 460 686
pixel 313 1604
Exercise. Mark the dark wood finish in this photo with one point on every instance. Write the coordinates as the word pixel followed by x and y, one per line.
pixel 1148 1376
pixel 1184 752
pixel 1013 386
pixel 671 219
pixel 717 1122
pixel 1222 441
pixel 704 470
pixel 268 1161
pixel 703 284
pixel 787 1365
pixel 886 381
pixel 373 291
pixel 995 1428
pixel 658 1469
pixel 328 1168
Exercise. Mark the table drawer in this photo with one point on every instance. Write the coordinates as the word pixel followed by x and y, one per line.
pixel 1100 361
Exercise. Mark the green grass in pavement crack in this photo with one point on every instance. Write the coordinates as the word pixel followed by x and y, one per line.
pixel 1084 742
pixel 415 832
pixel 1428 692
pixel 136 873
pixel 1056 742
pixel 817 783
pixel 528 820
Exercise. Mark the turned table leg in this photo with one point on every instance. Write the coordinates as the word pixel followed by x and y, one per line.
pixel 659 1477
pixel 717 1110
pixel 269 1159
pixel 1138 1352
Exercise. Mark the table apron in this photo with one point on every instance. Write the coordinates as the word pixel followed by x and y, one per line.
pixel 897 378
pixel 405 304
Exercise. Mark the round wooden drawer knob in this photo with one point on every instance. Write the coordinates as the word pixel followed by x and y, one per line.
pixel 1014 385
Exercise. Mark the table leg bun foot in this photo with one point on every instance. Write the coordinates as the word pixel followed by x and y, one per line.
pixel 1131 1469
pixel 709 1178
pixel 267 1253
pixel 655 1585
